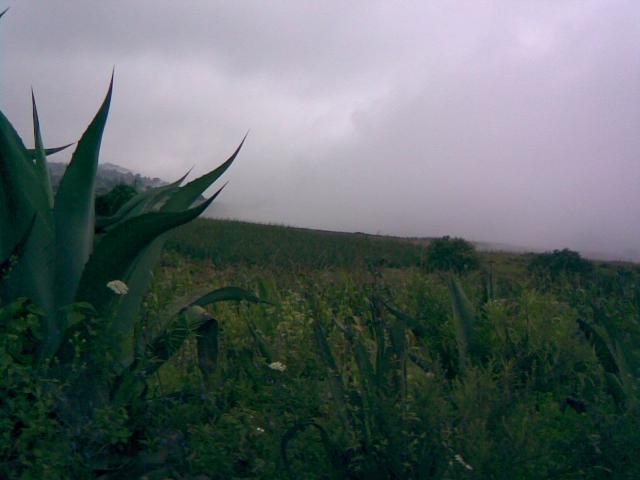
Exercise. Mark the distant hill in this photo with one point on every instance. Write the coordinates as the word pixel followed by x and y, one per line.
pixel 109 175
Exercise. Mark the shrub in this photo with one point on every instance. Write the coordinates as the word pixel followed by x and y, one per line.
pixel 109 203
pixel 452 254
pixel 558 262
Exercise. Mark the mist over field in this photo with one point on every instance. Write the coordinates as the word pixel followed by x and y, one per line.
pixel 509 122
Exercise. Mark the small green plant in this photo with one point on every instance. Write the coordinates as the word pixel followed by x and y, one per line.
pixel 558 262
pixel 69 257
pixel 109 203
pixel 451 254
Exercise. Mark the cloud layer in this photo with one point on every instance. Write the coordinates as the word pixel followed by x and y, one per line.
pixel 512 121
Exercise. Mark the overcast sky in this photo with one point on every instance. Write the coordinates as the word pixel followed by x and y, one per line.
pixel 509 121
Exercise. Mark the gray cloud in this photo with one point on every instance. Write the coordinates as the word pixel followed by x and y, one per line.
pixel 511 121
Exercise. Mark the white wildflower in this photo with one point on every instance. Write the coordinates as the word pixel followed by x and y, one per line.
pixel 118 287
pixel 260 430
pixel 461 461
pixel 279 366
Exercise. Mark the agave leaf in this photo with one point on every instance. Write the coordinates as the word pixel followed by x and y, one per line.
pixel 48 151
pixel 21 194
pixel 599 339
pixel 39 154
pixel 143 202
pixel 74 208
pixel 53 150
pixel 7 264
pixel 208 347
pixel 228 293
pixel 22 197
pixel 179 306
pixel 336 384
pixel 140 203
pixel 117 251
pixel 127 307
pixel 363 360
pixel 261 343
pixel 138 276
pixel 166 345
pixel 464 318
pixel 172 339
pixel 185 197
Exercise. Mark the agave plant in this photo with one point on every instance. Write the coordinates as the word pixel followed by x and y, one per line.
pixel 58 254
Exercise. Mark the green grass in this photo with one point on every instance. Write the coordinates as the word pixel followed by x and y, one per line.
pixel 386 394
pixel 376 384
pixel 235 243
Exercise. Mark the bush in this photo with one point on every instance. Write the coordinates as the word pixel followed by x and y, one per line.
pixel 109 203
pixel 452 254
pixel 560 262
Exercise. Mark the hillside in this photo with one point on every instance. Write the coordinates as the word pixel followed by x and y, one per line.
pixel 109 175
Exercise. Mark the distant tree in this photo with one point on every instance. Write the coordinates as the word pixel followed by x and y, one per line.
pixel 109 203
pixel 558 262
pixel 452 254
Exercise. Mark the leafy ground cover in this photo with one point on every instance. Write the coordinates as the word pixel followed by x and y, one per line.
pixel 366 363
pixel 382 369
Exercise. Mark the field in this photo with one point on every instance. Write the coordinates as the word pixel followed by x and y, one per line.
pixel 140 341
pixel 356 356
pixel 389 371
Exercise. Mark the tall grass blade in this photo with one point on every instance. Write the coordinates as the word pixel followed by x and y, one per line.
pixel 259 340
pixel 397 337
pixel 599 339
pixel 383 363
pixel 464 318
pixel 418 329
pixel 336 384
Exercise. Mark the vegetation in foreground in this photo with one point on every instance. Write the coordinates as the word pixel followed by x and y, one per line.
pixel 362 370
